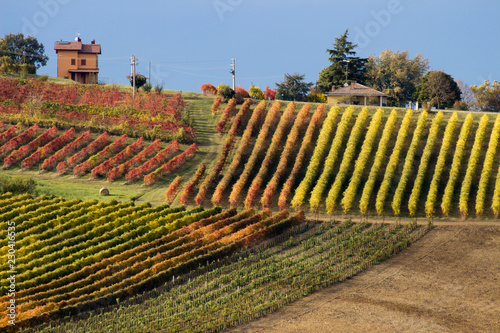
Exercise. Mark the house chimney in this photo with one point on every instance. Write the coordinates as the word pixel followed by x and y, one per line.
pixel 93 41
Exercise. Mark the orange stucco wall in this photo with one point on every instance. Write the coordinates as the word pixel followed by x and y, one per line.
pixel 64 65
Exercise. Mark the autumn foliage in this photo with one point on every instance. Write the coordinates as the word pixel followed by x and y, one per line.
pixel 153 163
pixel 51 162
pixel 208 88
pixel 99 107
pixel 171 165
pixel 269 94
pixel 49 148
pixel 242 92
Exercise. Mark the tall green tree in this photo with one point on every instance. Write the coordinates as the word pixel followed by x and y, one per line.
pixel 395 74
pixel 345 66
pixel 438 88
pixel 293 88
pixel 23 50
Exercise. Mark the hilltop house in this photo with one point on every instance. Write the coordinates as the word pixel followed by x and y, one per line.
pixel 356 93
pixel 78 61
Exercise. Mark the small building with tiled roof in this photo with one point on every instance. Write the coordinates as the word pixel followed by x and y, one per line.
pixel 78 61
pixel 356 93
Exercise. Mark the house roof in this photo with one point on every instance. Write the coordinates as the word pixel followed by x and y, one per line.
pixel 356 89
pixel 77 46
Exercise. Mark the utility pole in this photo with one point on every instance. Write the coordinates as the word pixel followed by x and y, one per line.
pixel 132 65
pixel 233 72
pixel 149 75
pixel 346 70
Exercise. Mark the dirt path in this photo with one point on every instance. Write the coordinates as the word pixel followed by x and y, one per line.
pixel 447 282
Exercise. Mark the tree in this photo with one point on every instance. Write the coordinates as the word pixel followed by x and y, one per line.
pixel 395 74
pixel 293 88
pixel 468 97
pixel 23 50
pixel 487 96
pixel 225 91
pixel 438 88
pixel 315 96
pixel 255 92
pixel 269 93
pixel 208 88
pixel 344 66
pixel 242 92
pixel 140 80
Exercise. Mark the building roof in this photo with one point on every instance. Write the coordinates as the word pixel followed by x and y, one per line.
pixel 77 46
pixel 356 89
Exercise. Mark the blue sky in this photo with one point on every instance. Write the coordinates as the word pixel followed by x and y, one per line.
pixel 191 42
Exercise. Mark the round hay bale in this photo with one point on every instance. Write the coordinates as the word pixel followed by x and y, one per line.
pixel 104 191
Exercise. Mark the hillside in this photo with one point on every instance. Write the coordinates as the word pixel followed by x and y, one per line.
pixel 353 160
pixel 204 228
pixel 323 159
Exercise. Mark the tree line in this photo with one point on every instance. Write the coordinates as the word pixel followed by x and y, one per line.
pixel 394 73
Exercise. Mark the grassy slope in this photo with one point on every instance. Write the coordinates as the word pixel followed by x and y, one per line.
pixel 198 107
pixel 207 139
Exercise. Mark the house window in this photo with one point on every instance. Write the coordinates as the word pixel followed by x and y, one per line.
pixel 84 62
pixel 73 62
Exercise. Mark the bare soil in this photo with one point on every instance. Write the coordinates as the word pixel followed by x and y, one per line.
pixel 449 281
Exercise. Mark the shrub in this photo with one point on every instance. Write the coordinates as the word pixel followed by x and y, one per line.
pixel 231 106
pixel 316 96
pixel 269 94
pixel 441 160
pixel 17 185
pixel 216 104
pixel 147 87
pixel 6 65
pixel 26 69
pixel 408 165
pixel 300 163
pixel 225 92
pixel 255 92
pixel 460 105
pixel 242 92
pixel 317 157
pixel 140 80
pixel 424 163
pixel 173 189
pixel 455 165
pixel 208 88
pixel 333 155
pixel 345 165
pixel 158 88
pixel 377 163
pixel 471 166
pixel 239 99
